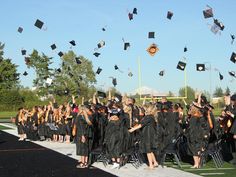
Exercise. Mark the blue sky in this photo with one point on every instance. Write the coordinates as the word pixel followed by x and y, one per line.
pixel 82 21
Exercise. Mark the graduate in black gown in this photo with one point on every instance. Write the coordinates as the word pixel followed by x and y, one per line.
pixel 20 122
pixel 148 134
pixel 198 132
pixel 114 134
pixel 232 114
pixel 84 135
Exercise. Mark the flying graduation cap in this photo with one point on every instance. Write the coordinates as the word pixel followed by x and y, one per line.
pixel 232 38
pixel 101 44
pixel 208 13
pixel 185 49
pixel 130 16
pixel 170 15
pixel 151 35
pixel 96 54
pixel 39 24
pixel 73 43
pixel 161 73
pixel 219 24
pixel 130 74
pixel 99 70
pixel 221 76
pixel 58 70
pixel 60 54
pixel 23 52
pixel 101 94
pixel 232 73
pixel 152 49
pixel 181 65
pixel 200 67
pixel 27 60
pixel 20 30
pixel 233 57
pixel 25 73
pixel 114 81
pixel 78 61
pixel 135 11
pixel 53 46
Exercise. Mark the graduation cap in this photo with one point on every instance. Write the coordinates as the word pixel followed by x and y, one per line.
pixel 101 44
pixel 39 24
pixel 208 13
pixel 233 57
pixel 58 70
pixel 101 94
pixel 27 60
pixel 53 46
pixel 70 74
pixel 215 28
pixel 233 97
pixel 20 30
pixel 72 43
pixel 96 54
pixel 25 73
pixel 130 74
pixel 130 15
pixel 117 97
pixel 99 70
pixel 200 67
pixel 152 49
pixel 135 11
pixel 151 35
pixel 219 24
pixel 221 76
pixel 161 73
pixel 169 15
pixel 232 38
pixel 181 65
pixel 103 29
pixel 60 54
pixel 232 73
pixel 185 49
pixel 23 52
pixel 126 45
pixel 114 81
pixel 116 67
pixel 78 61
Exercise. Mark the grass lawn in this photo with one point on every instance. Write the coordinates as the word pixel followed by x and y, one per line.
pixel 3 127
pixel 227 170
pixel 7 115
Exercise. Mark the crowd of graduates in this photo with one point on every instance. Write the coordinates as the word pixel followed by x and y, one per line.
pixel 120 124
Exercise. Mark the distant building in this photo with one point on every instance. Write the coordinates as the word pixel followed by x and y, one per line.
pixel 148 92
pixel 217 100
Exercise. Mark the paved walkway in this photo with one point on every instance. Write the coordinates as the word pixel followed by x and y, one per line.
pixel 127 171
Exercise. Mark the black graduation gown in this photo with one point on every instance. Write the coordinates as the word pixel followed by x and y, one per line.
pixel 20 126
pixel 195 135
pixel 83 129
pixel 113 138
pixel 148 134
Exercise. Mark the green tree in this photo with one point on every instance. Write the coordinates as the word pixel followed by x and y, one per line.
pixel 76 76
pixel 218 92
pixel 170 94
pixel 9 78
pixel 41 65
pixel 227 91
pixel 10 100
pixel 190 94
